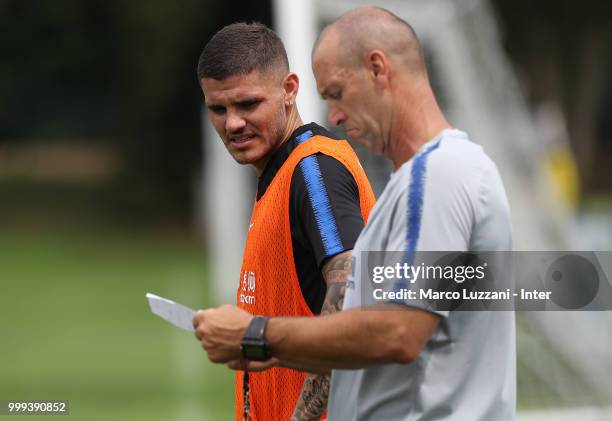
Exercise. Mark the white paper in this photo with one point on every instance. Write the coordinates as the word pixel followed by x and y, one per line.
pixel 175 313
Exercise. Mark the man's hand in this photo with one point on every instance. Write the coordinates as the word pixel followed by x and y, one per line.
pixel 220 331
pixel 253 365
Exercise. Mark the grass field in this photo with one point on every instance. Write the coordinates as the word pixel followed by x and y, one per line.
pixel 75 325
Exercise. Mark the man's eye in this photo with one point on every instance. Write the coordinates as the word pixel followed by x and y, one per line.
pixel 248 104
pixel 336 96
pixel 216 110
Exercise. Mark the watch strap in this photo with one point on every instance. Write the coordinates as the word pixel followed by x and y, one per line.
pixel 257 328
pixel 253 345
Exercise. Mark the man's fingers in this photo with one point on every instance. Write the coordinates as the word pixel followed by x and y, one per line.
pixel 252 365
pixel 235 365
pixel 211 330
pixel 198 318
pixel 198 324
pixel 242 365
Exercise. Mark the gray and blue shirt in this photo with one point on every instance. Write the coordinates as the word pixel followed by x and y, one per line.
pixel 449 196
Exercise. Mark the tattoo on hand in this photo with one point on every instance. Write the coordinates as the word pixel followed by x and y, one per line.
pixel 334 298
pixel 336 273
pixel 313 401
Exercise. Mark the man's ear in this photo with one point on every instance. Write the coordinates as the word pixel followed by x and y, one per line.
pixel 378 66
pixel 291 85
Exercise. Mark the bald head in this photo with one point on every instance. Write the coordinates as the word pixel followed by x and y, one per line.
pixel 355 34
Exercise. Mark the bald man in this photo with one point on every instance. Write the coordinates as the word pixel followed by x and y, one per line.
pixel 393 357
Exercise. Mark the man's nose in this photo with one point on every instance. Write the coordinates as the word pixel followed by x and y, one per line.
pixel 335 116
pixel 234 122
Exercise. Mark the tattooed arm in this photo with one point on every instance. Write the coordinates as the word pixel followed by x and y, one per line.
pixel 335 272
pixel 313 400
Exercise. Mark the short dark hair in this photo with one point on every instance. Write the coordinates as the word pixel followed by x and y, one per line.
pixel 240 48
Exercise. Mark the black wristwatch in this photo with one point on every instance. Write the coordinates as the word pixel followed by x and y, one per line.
pixel 253 345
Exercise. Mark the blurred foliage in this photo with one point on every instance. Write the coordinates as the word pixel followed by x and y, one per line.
pixel 123 74
pixel 562 51
pixel 558 33
pixel 116 72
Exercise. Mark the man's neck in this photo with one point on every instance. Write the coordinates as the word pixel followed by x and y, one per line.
pixel 293 122
pixel 416 122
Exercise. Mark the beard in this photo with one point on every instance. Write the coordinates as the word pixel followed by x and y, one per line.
pixel 266 142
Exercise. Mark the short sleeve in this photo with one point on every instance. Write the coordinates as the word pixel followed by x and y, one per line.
pixel 325 212
pixel 434 211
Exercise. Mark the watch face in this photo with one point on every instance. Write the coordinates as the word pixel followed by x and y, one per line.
pixel 254 352
pixel 253 344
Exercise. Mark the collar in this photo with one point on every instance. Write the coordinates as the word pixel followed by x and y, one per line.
pixel 298 136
